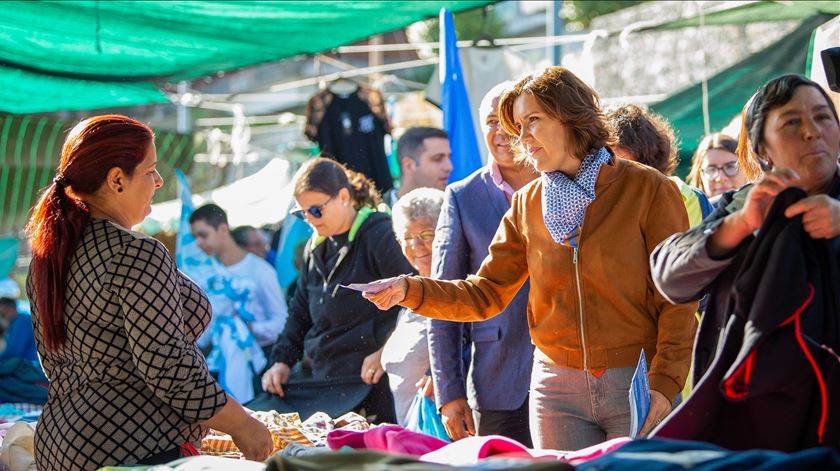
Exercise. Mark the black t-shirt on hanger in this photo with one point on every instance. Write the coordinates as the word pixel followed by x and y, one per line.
pixel 351 129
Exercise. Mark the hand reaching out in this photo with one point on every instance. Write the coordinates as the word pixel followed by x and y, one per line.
pixel 457 419
pixel 389 297
pixel 274 378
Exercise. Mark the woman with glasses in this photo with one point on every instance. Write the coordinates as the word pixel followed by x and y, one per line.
pixel 353 243
pixel 406 354
pixel 714 166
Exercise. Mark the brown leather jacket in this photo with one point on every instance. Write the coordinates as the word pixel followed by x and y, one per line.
pixel 590 307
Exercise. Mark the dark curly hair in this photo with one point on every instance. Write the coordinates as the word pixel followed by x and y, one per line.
pixel 646 135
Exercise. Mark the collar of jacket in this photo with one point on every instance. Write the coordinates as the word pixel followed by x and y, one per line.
pixel 609 172
pixel 361 216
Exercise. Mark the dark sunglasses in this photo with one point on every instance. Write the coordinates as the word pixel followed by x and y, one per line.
pixel 316 211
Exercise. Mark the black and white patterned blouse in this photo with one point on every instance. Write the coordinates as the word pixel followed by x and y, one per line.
pixel 129 382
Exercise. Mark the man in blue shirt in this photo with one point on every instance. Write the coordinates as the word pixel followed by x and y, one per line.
pixel 19 337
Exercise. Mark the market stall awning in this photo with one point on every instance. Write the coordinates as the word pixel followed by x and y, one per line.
pixel 59 55
pixel 730 89
pixel 742 12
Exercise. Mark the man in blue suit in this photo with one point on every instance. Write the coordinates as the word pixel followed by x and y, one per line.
pixel 493 397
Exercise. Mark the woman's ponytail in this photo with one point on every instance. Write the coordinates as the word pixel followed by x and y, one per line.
pixel 56 226
pixel 363 189
pixel 327 176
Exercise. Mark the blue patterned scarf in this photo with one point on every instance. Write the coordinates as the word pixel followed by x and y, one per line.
pixel 564 201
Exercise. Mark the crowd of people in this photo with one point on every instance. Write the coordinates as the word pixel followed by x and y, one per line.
pixel 518 299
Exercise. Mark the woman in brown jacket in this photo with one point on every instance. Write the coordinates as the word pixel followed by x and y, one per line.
pixel 582 232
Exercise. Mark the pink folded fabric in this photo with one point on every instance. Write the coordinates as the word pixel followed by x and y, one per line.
pixel 464 452
pixel 594 451
pixel 390 438
pixel 471 450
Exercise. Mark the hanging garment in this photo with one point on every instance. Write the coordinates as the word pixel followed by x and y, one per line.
pixel 351 128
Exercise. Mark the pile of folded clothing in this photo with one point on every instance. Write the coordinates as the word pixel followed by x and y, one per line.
pixel 286 429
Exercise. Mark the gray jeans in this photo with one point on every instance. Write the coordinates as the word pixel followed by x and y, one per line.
pixel 571 409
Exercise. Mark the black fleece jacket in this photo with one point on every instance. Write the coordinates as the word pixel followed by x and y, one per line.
pixel 336 326
pixel 766 368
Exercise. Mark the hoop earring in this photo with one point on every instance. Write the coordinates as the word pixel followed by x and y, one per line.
pixel 764 163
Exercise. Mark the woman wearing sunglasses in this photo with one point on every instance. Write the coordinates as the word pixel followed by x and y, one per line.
pixel 353 243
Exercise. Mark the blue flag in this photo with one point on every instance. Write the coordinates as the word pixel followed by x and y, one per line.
pixel 457 112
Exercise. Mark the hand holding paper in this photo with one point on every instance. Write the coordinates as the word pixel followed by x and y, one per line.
pixel 385 293
pixel 374 286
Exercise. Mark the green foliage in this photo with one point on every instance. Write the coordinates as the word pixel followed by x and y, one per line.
pixel 484 22
pixel 469 25
pixel 579 13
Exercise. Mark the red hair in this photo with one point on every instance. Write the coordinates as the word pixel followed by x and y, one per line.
pixel 92 148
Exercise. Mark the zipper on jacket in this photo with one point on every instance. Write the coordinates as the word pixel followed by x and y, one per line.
pixel 580 301
pixel 342 253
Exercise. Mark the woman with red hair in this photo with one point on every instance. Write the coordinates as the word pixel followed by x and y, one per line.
pixel 115 321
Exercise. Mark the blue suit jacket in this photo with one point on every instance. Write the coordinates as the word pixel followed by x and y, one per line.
pixel 502 352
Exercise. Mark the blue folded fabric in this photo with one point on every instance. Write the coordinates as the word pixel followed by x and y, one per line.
pixel 22 381
pixel 673 455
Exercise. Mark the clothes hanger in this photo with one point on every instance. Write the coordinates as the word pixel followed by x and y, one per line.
pixel 343 86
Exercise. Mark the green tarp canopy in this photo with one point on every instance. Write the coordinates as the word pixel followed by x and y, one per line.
pixel 736 13
pixel 730 89
pixel 80 55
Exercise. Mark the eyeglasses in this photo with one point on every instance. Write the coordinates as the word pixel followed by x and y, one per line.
pixel 316 211
pixel 425 236
pixel 729 169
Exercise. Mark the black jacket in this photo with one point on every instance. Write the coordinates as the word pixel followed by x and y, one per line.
pixel 336 326
pixel 766 378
